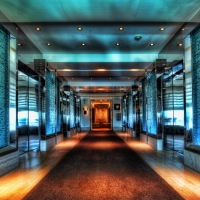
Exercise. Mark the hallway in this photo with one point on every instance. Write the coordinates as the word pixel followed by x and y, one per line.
pixel 108 161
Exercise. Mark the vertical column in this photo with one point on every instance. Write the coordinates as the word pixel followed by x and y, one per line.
pixel 58 116
pixel 71 110
pixel 130 110
pixel 195 42
pixel 50 102
pixel 4 86
pixel 151 103
pixel 9 156
pixel 144 125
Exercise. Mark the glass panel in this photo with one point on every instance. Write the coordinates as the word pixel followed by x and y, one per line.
pixel 151 103
pixel 4 87
pixel 72 114
pixel 173 108
pixel 130 110
pixel 13 59
pixel 33 112
pixel 192 69
pixel 188 90
pixel 23 117
pixel 143 109
pixel 50 103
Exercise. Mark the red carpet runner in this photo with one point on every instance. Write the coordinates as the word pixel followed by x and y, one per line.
pixel 101 166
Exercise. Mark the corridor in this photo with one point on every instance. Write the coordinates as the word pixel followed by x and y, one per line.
pixel 100 166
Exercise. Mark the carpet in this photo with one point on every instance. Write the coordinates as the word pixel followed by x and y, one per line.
pixel 102 167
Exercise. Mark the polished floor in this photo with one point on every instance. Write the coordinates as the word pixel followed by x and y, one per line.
pixel 35 165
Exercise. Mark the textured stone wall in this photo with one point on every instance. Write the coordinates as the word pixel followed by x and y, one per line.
pixel 58 123
pixel 4 86
pixel 144 105
pixel 50 102
pixel 195 42
pixel 130 109
pixel 72 110
pixel 151 103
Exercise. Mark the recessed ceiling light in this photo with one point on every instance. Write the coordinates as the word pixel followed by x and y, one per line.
pixel 152 44
pixel 83 44
pixel 117 44
pixel 162 29
pixel 48 44
pixel 91 78
pixel 138 37
pixel 79 28
pixel 183 29
pixel 37 29
pixel 121 28
pixel 180 45
pixel 19 44
pixel 17 28
pixel 110 78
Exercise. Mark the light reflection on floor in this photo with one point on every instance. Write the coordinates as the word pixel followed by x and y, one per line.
pixel 35 165
pixel 169 165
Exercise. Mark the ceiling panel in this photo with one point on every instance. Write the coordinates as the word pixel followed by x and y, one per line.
pixel 109 65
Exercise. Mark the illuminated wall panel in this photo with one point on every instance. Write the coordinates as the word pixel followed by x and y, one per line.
pixel 50 102
pixel 144 105
pixel 151 103
pixel 58 123
pixel 4 86
pixel 130 110
pixel 72 110
pixel 195 41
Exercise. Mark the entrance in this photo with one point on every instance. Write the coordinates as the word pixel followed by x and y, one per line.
pixel 101 114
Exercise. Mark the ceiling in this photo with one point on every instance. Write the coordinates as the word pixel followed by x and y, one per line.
pixel 100 65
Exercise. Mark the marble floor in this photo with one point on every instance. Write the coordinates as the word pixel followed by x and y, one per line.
pixel 35 165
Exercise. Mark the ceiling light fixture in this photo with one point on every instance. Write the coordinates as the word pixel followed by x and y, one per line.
pixel 37 29
pixel 17 28
pixel 117 44
pixel 48 44
pixel 19 44
pixel 162 29
pixel 180 45
pixel 110 78
pixel 121 28
pixel 83 44
pixel 79 28
pixel 138 37
pixel 152 44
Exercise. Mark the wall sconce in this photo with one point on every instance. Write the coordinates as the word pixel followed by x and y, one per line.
pixel 85 109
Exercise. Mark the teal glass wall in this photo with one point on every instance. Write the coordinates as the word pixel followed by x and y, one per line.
pixel 143 110
pixel 58 106
pixel 124 111
pixel 28 109
pixel 195 46
pixel 4 86
pixel 173 108
pixel 151 103
pixel 13 94
pixel 188 91
pixel 72 110
pixel 130 110
pixel 50 98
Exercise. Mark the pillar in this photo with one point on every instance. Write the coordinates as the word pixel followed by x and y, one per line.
pixel 9 156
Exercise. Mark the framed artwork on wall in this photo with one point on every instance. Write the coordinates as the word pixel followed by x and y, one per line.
pixel 116 106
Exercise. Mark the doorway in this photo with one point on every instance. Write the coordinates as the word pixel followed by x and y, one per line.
pixel 101 114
